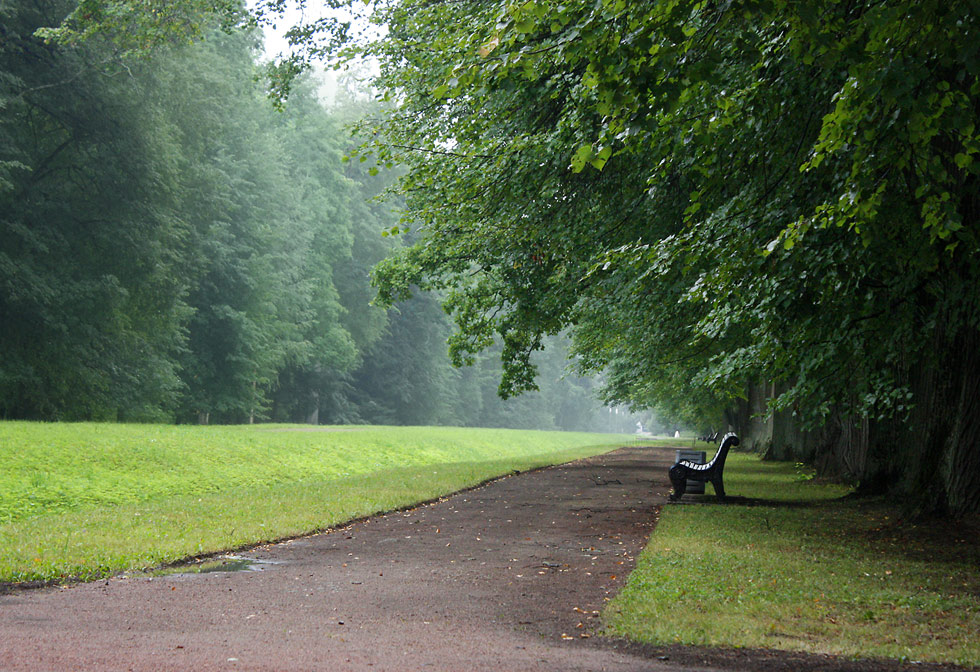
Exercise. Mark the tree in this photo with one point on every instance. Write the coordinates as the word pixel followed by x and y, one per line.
pixel 710 194
pixel 169 237
pixel 91 294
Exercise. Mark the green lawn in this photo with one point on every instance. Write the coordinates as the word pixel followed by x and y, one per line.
pixel 88 500
pixel 805 570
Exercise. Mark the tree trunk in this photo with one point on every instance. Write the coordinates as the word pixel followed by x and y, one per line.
pixel 932 462
pixel 960 468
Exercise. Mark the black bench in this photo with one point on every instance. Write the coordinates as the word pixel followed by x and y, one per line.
pixel 709 438
pixel 711 472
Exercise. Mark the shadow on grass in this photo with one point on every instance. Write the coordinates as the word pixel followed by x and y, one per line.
pixel 739 500
pixel 878 526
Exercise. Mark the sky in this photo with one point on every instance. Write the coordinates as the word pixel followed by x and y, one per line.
pixel 276 44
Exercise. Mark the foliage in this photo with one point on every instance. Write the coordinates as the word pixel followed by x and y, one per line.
pixel 139 27
pixel 87 500
pixel 90 284
pixel 710 194
pixel 179 248
pixel 803 570
pixel 677 170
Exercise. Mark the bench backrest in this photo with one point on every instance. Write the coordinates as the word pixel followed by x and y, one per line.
pixel 718 461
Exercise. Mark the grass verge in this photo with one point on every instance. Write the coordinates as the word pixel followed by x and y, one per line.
pixel 798 567
pixel 82 501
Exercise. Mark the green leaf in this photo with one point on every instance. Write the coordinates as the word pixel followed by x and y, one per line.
pixel 525 25
pixel 582 156
pixel 600 159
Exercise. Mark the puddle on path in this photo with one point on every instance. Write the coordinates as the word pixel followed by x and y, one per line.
pixel 225 563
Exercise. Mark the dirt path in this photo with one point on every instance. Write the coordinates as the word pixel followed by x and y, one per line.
pixel 509 576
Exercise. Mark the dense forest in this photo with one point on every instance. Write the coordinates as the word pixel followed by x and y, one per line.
pixel 173 247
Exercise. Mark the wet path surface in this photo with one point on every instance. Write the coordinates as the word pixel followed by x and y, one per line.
pixel 510 576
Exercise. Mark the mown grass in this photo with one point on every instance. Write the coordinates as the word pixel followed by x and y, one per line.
pixel 805 569
pixel 83 501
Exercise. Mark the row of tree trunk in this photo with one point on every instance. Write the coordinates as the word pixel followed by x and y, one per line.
pixel 929 459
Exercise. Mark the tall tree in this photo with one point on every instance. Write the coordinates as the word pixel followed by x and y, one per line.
pixel 711 194
pixel 169 237
pixel 243 251
pixel 91 297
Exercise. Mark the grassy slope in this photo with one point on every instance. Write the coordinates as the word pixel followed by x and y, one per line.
pixel 87 500
pixel 804 571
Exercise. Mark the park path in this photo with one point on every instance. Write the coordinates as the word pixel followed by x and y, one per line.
pixel 508 576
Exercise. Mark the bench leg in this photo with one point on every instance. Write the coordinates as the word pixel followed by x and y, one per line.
pixel 719 488
pixel 679 481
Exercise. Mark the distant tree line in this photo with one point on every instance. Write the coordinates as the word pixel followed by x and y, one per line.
pixel 173 248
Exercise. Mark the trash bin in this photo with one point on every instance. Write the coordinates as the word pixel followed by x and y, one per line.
pixel 697 457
